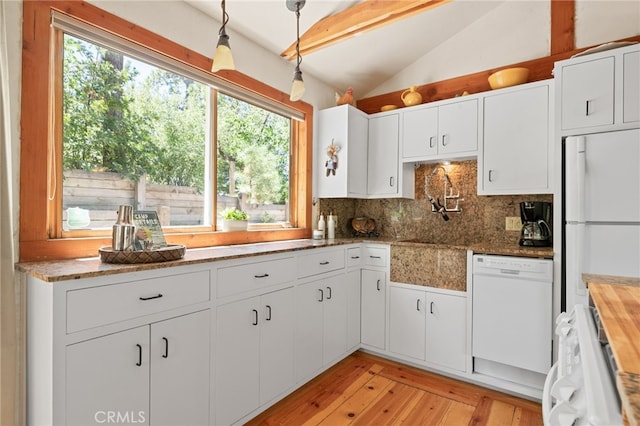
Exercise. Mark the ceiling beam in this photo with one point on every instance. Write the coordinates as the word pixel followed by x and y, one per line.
pixel 364 16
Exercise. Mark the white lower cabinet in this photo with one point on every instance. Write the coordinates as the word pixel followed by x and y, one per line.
pixel 254 353
pixel 373 312
pixel 428 326
pixel 353 310
pixel 407 322
pixel 154 374
pixel 321 324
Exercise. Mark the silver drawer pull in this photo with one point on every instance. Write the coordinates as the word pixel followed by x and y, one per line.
pixel 326 262
pixel 355 257
pixel 375 257
pixel 261 276
pixel 157 296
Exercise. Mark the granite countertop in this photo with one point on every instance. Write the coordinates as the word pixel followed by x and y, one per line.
pixel 618 305
pixel 62 270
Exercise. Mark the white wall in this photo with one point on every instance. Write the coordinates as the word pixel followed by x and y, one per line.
pixel 179 22
pixel 513 32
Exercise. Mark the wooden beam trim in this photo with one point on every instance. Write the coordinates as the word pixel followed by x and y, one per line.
pixel 563 13
pixel 362 17
pixel 539 69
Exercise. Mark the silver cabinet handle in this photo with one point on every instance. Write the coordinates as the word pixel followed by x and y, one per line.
pixel 328 293
pixel 391 181
pixel 490 175
pixel 431 308
pixel 326 262
pixel 444 138
pixel 321 295
pixel 255 317
pixel 587 105
pixel 432 141
pixel 418 305
pixel 378 285
pixel 261 276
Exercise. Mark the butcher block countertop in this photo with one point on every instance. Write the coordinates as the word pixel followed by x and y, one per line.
pixel 617 300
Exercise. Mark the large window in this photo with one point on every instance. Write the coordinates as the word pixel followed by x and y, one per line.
pixel 148 125
pixel 134 133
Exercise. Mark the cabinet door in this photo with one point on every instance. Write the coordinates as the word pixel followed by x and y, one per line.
pixel 353 310
pixel 587 94
pixel 458 127
pixel 372 329
pixel 180 370
pixel 382 175
pixel 276 343
pixel 407 322
pixel 356 170
pixel 346 127
pixel 419 133
pixel 237 360
pixel 516 142
pixel 631 87
pixel 334 319
pixel 309 329
pixel 110 373
pixel 447 330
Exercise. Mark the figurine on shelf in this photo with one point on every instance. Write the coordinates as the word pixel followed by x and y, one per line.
pixel 332 162
pixel 345 98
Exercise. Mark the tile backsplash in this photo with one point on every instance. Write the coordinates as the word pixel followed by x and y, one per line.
pixel 482 218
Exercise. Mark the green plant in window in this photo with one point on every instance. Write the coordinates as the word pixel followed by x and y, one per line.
pixel 234 214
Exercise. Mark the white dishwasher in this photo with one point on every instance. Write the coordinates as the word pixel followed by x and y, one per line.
pixel 512 317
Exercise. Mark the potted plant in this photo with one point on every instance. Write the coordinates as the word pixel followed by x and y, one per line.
pixel 234 220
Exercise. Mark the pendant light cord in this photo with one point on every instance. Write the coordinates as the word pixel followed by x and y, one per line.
pixel 225 18
pixel 299 58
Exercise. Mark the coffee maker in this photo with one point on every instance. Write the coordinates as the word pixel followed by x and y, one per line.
pixel 536 223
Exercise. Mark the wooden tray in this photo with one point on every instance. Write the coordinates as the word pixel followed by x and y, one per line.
pixel 171 252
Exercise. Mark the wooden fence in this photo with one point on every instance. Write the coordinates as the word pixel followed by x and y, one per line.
pixel 102 192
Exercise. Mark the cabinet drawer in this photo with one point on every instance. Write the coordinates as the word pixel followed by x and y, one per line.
pixel 375 256
pixel 320 262
pixel 96 306
pixel 354 257
pixel 250 276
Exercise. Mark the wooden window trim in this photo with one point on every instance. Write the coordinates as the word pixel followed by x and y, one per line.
pixel 38 131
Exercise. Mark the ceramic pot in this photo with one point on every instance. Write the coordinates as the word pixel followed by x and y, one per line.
pixel 234 225
pixel 411 96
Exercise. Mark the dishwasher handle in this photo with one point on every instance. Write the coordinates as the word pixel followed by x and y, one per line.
pixel 509 272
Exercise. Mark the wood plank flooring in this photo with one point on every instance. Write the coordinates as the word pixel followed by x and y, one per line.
pixel 367 390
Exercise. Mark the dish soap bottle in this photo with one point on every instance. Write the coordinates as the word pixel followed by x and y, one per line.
pixel 321 224
pixel 331 227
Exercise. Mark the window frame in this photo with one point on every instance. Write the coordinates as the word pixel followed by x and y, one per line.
pixel 40 238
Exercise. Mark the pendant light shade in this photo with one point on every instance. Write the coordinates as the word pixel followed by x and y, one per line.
pixel 222 59
pixel 297 88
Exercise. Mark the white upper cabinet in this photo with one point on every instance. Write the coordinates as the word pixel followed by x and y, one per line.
pixel 346 127
pixel 598 91
pixel 514 158
pixel 587 94
pixel 631 86
pixel 440 132
pixel 383 156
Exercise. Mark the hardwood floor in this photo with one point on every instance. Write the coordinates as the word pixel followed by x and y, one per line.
pixel 367 390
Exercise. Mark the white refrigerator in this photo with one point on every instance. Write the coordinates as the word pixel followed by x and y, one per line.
pixel 602 209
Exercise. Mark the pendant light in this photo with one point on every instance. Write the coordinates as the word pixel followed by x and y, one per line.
pixel 222 60
pixel 297 88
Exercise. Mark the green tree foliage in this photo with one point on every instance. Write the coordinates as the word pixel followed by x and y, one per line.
pixel 101 132
pixel 126 117
pixel 257 142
